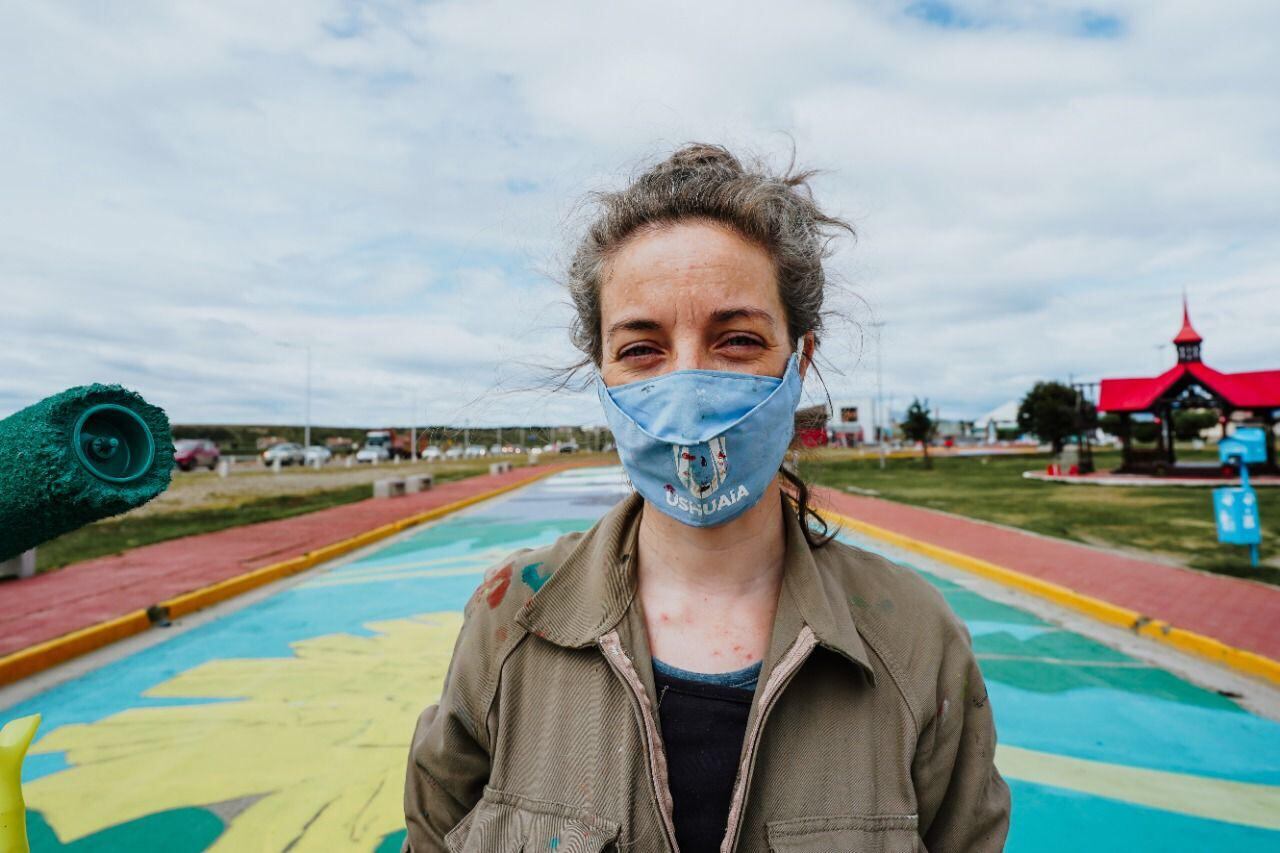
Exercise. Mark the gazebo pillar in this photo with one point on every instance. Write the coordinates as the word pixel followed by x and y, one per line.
pixel 1126 441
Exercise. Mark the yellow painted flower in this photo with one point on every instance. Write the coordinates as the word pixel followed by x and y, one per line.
pixel 305 753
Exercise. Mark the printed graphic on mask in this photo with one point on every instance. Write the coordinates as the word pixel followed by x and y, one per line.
pixel 702 468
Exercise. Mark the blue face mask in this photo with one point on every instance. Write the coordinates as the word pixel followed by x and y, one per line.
pixel 703 445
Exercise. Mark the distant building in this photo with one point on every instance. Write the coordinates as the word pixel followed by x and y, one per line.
pixel 847 431
pixel 811 426
pixel 1001 419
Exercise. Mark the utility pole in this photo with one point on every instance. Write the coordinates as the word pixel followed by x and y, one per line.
pixel 878 325
pixel 413 428
pixel 306 440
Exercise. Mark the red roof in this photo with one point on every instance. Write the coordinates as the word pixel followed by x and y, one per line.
pixel 1187 334
pixel 1259 389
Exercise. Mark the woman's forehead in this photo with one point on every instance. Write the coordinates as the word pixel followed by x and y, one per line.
pixel 697 269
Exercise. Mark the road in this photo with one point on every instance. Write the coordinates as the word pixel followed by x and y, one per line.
pixel 282 724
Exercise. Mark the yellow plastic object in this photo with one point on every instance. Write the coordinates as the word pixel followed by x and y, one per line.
pixel 15 737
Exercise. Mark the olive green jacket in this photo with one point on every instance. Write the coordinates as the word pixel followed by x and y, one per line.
pixel 870 730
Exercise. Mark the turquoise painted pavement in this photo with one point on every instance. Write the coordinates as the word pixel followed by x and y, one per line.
pixel 284 725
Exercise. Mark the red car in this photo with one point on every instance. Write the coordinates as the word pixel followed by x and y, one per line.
pixel 190 453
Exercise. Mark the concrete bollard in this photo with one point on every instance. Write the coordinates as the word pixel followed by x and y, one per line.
pixel 275 465
pixel 389 488
pixel 224 468
pixel 351 459
pixel 21 566
pixel 418 483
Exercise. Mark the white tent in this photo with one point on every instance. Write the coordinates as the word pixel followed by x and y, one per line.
pixel 1004 416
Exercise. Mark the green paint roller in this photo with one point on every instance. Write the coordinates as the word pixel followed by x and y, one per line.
pixel 15 737
pixel 86 454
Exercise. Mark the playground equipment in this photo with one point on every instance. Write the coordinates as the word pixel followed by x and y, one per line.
pixel 85 454
pixel 15 737
pixel 1236 508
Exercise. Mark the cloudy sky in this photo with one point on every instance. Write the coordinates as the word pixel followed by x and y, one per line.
pixel 190 186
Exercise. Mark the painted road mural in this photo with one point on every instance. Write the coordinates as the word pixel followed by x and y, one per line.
pixel 284 725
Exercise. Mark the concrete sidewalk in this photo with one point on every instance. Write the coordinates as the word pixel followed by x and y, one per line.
pixel 1241 613
pixel 85 594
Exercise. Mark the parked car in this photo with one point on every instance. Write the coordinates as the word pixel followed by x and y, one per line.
pixel 496 450
pixel 287 452
pixel 473 451
pixel 373 453
pixel 317 452
pixel 569 447
pixel 453 453
pixel 431 454
pixel 191 453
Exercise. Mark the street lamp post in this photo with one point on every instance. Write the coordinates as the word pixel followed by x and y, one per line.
pixel 413 427
pixel 878 325
pixel 306 440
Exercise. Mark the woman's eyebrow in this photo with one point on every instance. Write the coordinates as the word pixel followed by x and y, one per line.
pixel 637 324
pixel 727 314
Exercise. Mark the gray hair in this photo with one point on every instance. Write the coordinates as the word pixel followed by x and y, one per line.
pixel 706 182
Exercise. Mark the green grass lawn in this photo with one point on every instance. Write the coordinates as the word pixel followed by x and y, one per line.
pixel 114 535
pixel 1168 522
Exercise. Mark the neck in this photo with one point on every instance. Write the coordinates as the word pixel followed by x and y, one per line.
pixel 741 558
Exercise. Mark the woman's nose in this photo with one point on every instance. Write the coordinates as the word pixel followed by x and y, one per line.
pixel 689 358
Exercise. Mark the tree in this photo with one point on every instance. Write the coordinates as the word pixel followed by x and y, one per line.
pixel 1187 423
pixel 917 425
pixel 1143 432
pixel 1054 412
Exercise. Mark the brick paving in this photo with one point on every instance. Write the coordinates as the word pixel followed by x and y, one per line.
pixel 1240 613
pixel 34 610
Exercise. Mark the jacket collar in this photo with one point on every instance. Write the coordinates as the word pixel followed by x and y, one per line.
pixel 591 589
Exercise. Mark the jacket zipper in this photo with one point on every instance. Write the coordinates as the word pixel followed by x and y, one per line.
pixel 778 679
pixel 625 669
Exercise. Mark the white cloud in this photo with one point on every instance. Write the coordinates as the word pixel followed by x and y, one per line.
pixel 188 183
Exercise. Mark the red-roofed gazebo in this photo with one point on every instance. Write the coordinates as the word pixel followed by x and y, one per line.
pixel 1189 384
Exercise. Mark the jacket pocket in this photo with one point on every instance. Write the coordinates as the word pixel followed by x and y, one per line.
pixel 845 834
pixel 503 822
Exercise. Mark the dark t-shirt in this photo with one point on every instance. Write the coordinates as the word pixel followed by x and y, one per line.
pixel 703 718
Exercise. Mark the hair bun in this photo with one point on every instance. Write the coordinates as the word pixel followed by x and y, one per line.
pixel 699 156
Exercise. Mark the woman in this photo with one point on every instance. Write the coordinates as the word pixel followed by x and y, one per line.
pixel 703 670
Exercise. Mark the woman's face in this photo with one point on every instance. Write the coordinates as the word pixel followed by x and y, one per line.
pixel 693 295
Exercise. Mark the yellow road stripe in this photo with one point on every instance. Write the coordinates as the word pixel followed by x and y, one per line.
pixel 1217 651
pixel 1246 803
pixel 39 657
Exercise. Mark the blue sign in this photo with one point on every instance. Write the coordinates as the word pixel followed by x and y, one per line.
pixel 1236 511
pixel 1249 444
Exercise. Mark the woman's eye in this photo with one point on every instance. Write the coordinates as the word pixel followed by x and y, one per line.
pixel 742 341
pixel 637 351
